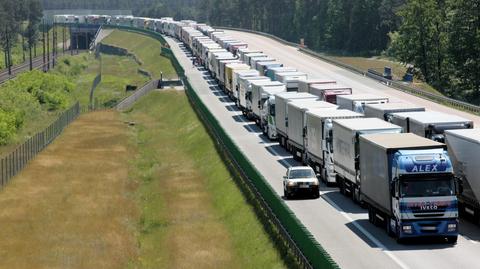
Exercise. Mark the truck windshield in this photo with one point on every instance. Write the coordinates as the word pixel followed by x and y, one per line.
pixel 272 110
pixel 427 187
pixel 301 173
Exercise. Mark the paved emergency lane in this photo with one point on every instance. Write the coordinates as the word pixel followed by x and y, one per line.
pixel 316 68
pixel 339 225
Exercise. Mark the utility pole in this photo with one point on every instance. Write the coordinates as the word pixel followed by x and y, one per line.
pixel 54 45
pixel 63 38
pixel 9 58
pixel 43 43
pixel 48 48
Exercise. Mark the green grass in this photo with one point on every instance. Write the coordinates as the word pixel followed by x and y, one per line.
pixel 378 64
pixel 146 49
pixel 188 199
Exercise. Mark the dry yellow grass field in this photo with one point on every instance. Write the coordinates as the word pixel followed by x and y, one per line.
pixel 70 207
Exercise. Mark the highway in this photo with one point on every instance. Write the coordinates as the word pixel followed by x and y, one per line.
pixel 338 224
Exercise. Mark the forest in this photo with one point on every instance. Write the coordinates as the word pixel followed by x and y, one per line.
pixel 439 37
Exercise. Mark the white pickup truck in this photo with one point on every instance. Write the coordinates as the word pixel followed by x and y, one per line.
pixel 300 179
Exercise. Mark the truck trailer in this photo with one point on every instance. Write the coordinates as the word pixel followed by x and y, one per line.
pixel 229 75
pixel 290 79
pixel 255 98
pixel 297 122
pixel 430 124
pixel 244 89
pixel 357 102
pixel 272 72
pixel 304 84
pixel 279 128
pixel 346 133
pixel 408 186
pixel 385 111
pixel 464 150
pixel 329 92
pixel 319 140
pixel 237 74
pixel 267 108
pixel 263 66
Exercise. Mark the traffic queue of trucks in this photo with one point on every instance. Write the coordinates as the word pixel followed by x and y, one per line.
pixel 388 156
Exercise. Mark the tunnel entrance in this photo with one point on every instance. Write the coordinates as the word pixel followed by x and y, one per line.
pixel 82 36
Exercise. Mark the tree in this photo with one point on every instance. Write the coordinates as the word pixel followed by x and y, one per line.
pixel 32 32
pixel 463 45
pixel 421 39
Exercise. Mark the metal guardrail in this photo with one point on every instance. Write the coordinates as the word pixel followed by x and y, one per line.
pixel 393 84
pixel 130 100
pixel 299 240
pixel 306 249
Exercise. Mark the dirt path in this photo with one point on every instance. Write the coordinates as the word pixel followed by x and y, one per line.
pixel 72 206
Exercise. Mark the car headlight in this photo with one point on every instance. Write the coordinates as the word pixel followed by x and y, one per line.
pixel 315 183
pixel 407 229
pixel 452 227
pixel 292 183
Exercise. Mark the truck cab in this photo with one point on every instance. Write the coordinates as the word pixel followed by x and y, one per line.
pixel 408 185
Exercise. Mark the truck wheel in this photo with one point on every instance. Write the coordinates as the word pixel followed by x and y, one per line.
pixel 390 232
pixel 285 194
pixel 370 215
pixel 452 239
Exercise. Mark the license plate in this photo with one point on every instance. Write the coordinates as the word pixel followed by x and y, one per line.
pixel 429 228
pixel 304 186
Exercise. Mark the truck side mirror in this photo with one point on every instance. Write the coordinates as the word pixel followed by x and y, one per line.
pixel 392 188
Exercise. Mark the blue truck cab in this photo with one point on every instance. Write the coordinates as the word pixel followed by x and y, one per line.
pixel 408 185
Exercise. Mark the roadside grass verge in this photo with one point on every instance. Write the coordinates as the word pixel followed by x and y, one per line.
pixel 378 64
pixel 146 49
pixel 192 213
pixel 73 205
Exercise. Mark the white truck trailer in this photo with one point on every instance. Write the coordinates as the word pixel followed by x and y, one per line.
pixel 247 57
pixel 243 51
pixel 263 66
pixel 346 141
pixel 385 111
pixel 254 100
pixel 319 143
pixel 297 122
pixel 290 79
pixel 430 124
pixel 244 89
pixel 304 84
pixel 237 74
pixel 213 59
pixel 464 151
pixel 255 60
pixel 272 72
pixel 281 112
pixel 357 102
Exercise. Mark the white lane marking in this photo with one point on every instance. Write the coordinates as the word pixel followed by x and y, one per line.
pixel 471 240
pixel 372 238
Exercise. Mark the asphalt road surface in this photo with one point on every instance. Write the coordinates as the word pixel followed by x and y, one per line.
pixel 338 224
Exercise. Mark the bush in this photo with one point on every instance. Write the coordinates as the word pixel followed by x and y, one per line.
pixel 50 90
pixel 7 127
